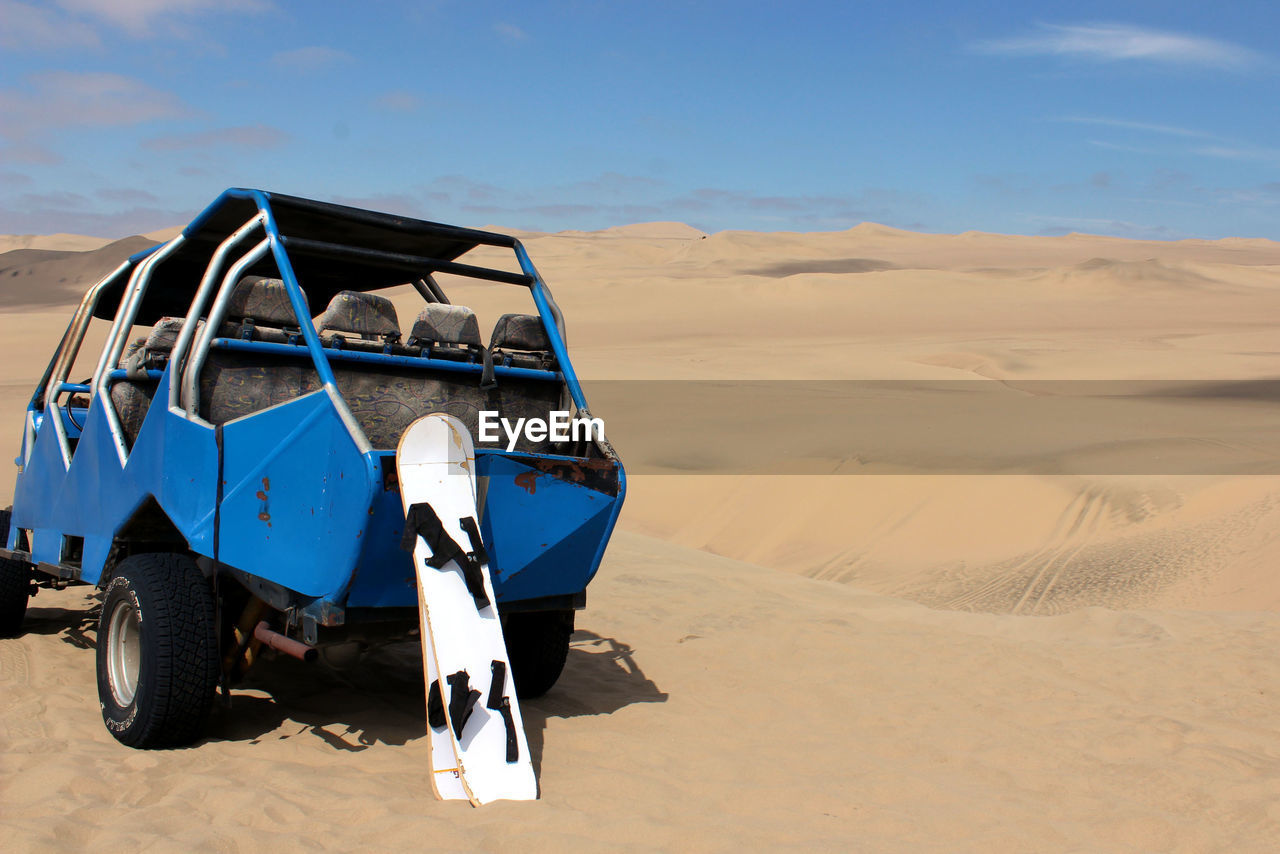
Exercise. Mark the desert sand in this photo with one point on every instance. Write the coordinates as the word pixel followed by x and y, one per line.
pixel 1041 619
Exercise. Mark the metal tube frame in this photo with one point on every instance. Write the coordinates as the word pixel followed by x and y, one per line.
pixel 184 395
pixel 178 355
pixel 129 308
pixel 46 396
pixel 74 336
pixel 191 376
pixel 276 245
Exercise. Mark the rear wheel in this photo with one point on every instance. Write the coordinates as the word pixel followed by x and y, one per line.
pixel 157 651
pixel 15 587
pixel 537 645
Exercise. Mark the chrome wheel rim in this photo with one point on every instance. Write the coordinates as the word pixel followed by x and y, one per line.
pixel 124 652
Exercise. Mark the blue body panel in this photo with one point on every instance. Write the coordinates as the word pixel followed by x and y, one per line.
pixel 296 496
pixel 288 495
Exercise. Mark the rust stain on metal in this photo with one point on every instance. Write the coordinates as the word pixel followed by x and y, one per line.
pixel 528 481
pixel 598 475
pixel 264 512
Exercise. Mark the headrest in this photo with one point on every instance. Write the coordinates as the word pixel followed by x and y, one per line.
pixel 446 324
pixel 153 351
pixel 164 335
pixel 265 300
pixel 367 315
pixel 519 332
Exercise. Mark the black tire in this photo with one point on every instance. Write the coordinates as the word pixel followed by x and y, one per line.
pixel 160 607
pixel 537 645
pixel 15 587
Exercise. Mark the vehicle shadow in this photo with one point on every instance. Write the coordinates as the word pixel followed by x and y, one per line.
pixel 76 626
pixel 600 677
pixel 381 698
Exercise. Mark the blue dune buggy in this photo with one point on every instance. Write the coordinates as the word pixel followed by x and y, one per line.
pixel 228 480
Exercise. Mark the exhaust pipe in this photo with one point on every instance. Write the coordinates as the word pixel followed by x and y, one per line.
pixel 287 645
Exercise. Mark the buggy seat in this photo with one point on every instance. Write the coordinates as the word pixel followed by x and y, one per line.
pixel 520 341
pixel 259 310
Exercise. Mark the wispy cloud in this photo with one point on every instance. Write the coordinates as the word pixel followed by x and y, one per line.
pixel 114 224
pixel 1232 152
pixel 1056 226
pixel 53 199
pixel 398 102
pixel 146 17
pixel 395 203
pixel 245 136
pixel 28 27
pixel 510 32
pixel 1210 145
pixel 126 196
pixel 15 179
pixel 1125 124
pixel 33 154
pixel 62 99
pixel 310 58
pixel 614 199
pixel 1131 149
pixel 1109 42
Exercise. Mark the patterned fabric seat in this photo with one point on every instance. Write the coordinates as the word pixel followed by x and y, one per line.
pixel 385 399
pixel 259 310
pixel 444 331
pixel 441 323
pixel 369 316
pixel 520 341
pixel 132 396
pixel 152 352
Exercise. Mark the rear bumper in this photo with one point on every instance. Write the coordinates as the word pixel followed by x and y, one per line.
pixel 545 520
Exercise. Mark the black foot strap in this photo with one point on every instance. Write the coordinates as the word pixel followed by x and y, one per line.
pixel 435 707
pixel 499 702
pixel 462 701
pixel 422 521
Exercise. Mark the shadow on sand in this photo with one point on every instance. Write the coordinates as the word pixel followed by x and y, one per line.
pixel 600 677
pixel 381 698
pixel 76 626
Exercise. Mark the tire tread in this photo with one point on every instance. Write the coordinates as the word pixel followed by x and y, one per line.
pixel 179 621
pixel 15 587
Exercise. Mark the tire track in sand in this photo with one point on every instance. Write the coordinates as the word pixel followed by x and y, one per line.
pixel 21 709
pixel 1065 529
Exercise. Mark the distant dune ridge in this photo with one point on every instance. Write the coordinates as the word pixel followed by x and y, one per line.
pixel 1073 659
pixel 32 277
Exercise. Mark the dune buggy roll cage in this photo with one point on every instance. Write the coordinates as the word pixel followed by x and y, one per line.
pixel 344 249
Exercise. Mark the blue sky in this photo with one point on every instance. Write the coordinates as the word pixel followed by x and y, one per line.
pixel 1131 119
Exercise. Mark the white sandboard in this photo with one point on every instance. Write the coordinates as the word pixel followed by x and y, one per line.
pixel 461 633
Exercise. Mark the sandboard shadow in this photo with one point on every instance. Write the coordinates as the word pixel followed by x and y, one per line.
pixel 600 677
pixel 382 698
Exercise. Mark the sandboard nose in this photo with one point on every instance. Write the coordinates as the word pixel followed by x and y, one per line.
pixel 439 438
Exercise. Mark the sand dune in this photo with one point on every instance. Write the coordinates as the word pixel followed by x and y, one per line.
pixel 44 277
pixel 53 242
pixel 709 705
pixel 1018 641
